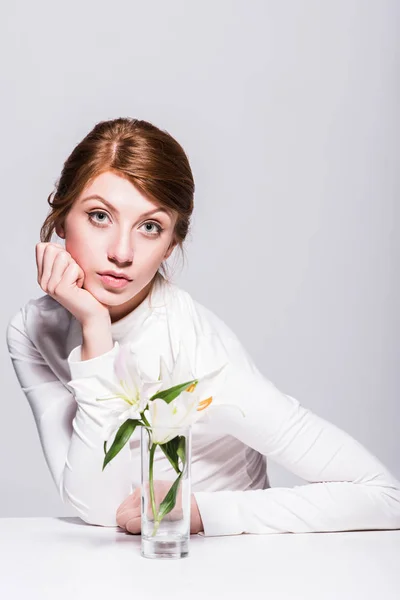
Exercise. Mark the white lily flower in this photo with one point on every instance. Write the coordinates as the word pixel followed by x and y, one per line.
pixel 181 370
pixel 186 408
pixel 132 387
pixel 177 414
pixel 131 393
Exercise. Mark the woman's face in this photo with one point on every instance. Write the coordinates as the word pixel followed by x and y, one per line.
pixel 112 232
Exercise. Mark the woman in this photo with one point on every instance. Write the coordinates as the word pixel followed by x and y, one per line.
pixel 122 204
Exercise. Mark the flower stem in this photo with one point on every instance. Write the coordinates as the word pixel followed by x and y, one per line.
pixel 151 485
pixel 156 526
pixel 145 421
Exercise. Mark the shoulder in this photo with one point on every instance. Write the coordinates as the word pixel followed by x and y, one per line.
pixel 214 348
pixel 36 313
pixel 205 321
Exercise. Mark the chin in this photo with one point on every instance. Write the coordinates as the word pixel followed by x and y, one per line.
pixel 107 297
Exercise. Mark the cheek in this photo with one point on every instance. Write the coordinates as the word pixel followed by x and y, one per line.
pixel 149 252
pixel 82 250
pixel 157 256
pixel 87 250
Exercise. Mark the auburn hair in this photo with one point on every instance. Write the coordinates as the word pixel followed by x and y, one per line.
pixel 150 158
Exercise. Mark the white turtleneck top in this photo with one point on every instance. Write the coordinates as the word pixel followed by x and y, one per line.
pixel 348 488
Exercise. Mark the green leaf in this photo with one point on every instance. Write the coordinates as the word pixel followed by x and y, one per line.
pixel 175 449
pixel 173 392
pixel 181 450
pixel 122 436
pixel 170 450
pixel 170 499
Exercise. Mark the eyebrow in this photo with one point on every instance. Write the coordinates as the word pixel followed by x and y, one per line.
pixel 111 207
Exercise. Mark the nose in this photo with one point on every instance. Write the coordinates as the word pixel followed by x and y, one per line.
pixel 120 250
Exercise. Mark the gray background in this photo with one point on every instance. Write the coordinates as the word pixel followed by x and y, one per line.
pixel 289 114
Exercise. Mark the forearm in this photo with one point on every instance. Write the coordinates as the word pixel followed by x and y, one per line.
pixel 70 424
pixel 316 507
pixel 96 337
pixel 95 494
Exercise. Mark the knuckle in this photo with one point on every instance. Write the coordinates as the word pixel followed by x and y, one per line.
pixel 132 526
pixel 57 289
pixel 61 258
pixel 120 522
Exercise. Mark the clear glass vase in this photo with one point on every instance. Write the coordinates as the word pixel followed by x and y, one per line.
pixel 165 492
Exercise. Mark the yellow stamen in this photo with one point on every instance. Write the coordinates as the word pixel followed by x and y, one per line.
pixel 204 403
pixel 191 387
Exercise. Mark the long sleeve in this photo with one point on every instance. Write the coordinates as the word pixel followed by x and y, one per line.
pixel 95 494
pixel 349 488
pixel 70 427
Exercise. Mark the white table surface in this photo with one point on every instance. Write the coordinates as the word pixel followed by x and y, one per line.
pixel 64 557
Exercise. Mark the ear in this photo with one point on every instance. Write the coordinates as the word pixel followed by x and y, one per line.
pixel 170 250
pixel 60 231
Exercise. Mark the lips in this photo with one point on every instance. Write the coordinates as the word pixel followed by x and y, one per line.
pixel 114 282
pixel 116 275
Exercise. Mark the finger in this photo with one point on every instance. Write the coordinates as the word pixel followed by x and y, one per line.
pixel 128 510
pixel 41 248
pixel 134 525
pixel 69 277
pixel 49 255
pixel 39 259
pixel 131 501
pixel 60 264
pixel 124 516
pixel 74 276
pixel 81 276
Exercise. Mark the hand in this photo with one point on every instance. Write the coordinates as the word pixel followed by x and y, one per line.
pixel 129 512
pixel 60 276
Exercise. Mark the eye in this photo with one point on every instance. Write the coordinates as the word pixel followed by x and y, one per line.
pixel 157 233
pixel 96 212
pixel 157 225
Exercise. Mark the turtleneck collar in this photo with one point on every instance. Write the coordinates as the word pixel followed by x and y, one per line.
pixel 154 301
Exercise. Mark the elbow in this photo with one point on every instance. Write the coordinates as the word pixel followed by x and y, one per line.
pixel 391 503
pixel 102 520
pixel 97 516
pixel 383 492
pixel 385 495
pixel 103 514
